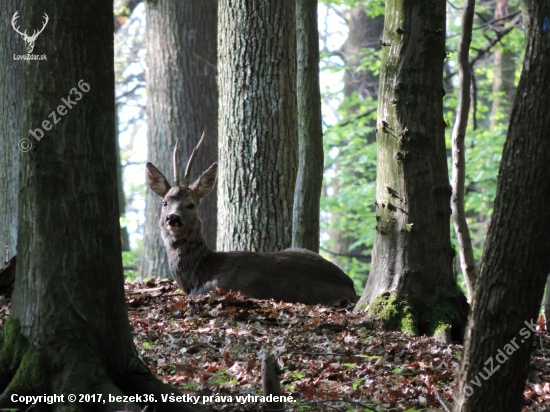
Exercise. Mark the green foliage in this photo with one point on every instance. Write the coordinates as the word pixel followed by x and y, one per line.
pixel 130 259
pixel 350 150
pixel 372 7
pixel 350 185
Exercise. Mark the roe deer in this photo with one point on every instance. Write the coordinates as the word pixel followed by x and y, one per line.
pixel 293 275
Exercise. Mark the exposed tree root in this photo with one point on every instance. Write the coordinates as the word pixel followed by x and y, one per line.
pixel 24 372
pixel 445 320
pixel 142 381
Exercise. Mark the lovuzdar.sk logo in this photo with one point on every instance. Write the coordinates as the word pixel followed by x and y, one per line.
pixel 29 40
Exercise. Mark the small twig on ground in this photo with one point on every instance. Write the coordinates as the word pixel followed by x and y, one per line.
pixel 441 401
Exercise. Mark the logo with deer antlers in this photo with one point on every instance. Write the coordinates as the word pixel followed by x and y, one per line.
pixel 29 40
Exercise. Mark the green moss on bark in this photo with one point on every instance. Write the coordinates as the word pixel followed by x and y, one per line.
pixel 396 313
pixel 22 369
pixel 445 320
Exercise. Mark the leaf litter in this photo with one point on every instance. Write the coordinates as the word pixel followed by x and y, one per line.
pixel 329 359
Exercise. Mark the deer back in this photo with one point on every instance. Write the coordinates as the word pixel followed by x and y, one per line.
pixel 293 275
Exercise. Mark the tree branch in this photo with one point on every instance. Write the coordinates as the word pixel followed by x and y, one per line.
pixel 465 69
pixel 499 34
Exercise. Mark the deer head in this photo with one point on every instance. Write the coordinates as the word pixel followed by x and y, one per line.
pixel 29 40
pixel 179 219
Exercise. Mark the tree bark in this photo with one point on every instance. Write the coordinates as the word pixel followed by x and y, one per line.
pixel 466 251
pixel 504 75
pixel 305 222
pixel 412 254
pixel 68 331
pixel 10 108
pixel 516 259
pixel 258 131
pixel 364 32
pixel 182 103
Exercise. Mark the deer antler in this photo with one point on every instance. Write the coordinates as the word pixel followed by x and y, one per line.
pixel 175 162
pixel 190 162
pixel 35 33
pixel 13 20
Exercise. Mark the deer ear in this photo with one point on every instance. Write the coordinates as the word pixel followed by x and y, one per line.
pixel 204 184
pixel 156 180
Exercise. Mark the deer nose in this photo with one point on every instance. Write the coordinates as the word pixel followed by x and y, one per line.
pixel 174 220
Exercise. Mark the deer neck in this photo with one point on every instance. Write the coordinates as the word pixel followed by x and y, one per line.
pixel 185 256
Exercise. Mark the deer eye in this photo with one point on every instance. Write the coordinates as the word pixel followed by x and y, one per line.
pixel 191 206
pixel 164 203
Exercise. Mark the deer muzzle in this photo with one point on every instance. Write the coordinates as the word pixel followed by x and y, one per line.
pixel 174 221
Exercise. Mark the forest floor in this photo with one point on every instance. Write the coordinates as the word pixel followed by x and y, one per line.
pixel 211 346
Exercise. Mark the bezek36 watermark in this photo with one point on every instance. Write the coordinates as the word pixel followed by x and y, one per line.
pixel 25 144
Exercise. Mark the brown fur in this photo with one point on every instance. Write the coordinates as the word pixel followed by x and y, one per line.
pixel 293 275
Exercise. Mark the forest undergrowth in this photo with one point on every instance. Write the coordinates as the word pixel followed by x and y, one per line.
pixel 329 359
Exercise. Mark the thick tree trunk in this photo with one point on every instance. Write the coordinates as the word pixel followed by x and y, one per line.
pixel 68 331
pixel 364 32
pixel 305 222
pixel 182 103
pixel 412 254
pixel 258 131
pixel 547 303
pixel 10 108
pixel 516 259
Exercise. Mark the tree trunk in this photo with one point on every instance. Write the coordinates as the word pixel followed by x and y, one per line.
pixel 412 254
pixel 547 304
pixel 363 32
pixel 258 131
pixel 504 75
pixel 305 222
pixel 182 103
pixel 124 238
pixel 10 143
pixel 516 259
pixel 68 331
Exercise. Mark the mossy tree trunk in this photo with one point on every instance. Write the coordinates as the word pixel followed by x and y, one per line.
pixel 412 254
pixel 182 103
pixel 10 108
pixel 257 124
pixel 516 258
pixel 68 331
pixel 305 225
